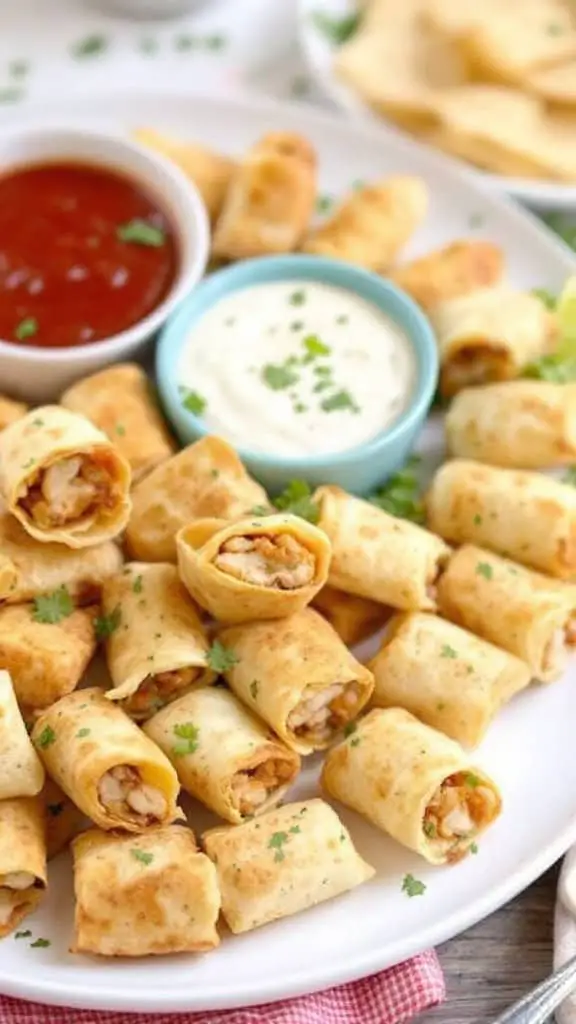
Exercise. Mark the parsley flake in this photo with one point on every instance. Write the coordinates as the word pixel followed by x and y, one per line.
pixel 91 46
pixel 23 935
pixel 296 499
pixel 46 737
pixel 82 733
pixel 54 607
pixel 314 347
pixel 40 944
pixel 324 203
pixel 27 328
pixel 448 652
pixel 194 403
pixel 429 829
pixel 188 733
pixel 18 68
pixel 413 886
pixel 276 842
pixel 477 520
pixel 279 377
pixel 339 401
pixel 105 625
pixel 474 848
pixel 485 570
pixel 140 232
pixel 221 658
pixel 120 429
pixel 297 298
pixel 142 856
pixel 11 95
pixel 137 585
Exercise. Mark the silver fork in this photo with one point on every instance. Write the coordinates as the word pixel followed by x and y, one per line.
pixel 539 1004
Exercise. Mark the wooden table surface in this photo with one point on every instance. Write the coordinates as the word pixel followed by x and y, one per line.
pixel 493 964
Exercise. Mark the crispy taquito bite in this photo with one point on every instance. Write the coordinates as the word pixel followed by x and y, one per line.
pixel 29 568
pixel 21 771
pixel 354 618
pixel 373 223
pixel 159 649
pixel 378 556
pixel 62 818
pixel 270 199
pixel 297 675
pixel 105 763
pixel 451 272
pixel 22 860
pixel 414 783
pixel 205 480
pixel 119 401
pixel 522 424
pixel 528 517
pixel 211 172
pixel 524 612
pixel 447 677
pixel 223 755
pixel 10 410
pixel 47 647
pixel 490 335
pixel 286 861
pixel 143 895
pixel 263 568
pixel 63 479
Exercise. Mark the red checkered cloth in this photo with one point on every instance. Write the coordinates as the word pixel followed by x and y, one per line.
pixel 391 997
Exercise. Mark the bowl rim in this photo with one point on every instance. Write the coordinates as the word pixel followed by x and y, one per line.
pixel 195 226
pixel 393 301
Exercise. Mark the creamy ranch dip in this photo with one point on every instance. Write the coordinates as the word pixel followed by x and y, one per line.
pixel 296 368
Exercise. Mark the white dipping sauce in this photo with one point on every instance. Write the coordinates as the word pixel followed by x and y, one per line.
pixel 297 368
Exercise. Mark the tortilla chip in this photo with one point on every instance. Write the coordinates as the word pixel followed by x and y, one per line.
pixel 209 171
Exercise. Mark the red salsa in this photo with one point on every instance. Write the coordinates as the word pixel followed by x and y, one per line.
pixel 84 254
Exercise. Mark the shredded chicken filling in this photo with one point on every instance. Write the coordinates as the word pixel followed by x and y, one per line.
pixel 475 366
pixel 157 690
pixel 253 787
pixel 69 490
pixel 459 809
pixel 278 561
pixel 122 792
pixel 555 654
pixel 321 713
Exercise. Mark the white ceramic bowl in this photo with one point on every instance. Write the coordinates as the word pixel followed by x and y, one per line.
pixel 39 374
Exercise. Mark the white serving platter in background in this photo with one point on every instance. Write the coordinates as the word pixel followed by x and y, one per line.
pixel 530 750
pixel 319 52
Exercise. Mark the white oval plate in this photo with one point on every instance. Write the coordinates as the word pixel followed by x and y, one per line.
pixel 530 750
pixel 319 53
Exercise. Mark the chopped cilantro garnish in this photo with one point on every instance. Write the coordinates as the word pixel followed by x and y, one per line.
pixel 27 328
pixel 137 585
pixel 91 46
pixel 448 652
pixel 54 607
pixel 296 499
pixel 142 856
pixel 221 658
pixel 276 842
pixel 105 625
pixel 46 737
pixel 40 944
pixel 341 400
pixel 260 510
pixel 315 347
pixel 477 520
pixel 429 829
pixel 18 68
pixel 194 403
pixel 297 298
pixel 413 886
pixel 23 935
pixel 140 232
pixel 400 495
pixel 120 429
pixel 278 377
pixel 11 95
pixel 337 30
pixel 485 570
pixel 188 734
pixel 474 848
pixel 295 829
pixel 82 733
pixel 324 203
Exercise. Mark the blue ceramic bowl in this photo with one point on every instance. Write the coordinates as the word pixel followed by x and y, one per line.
pixel 359 469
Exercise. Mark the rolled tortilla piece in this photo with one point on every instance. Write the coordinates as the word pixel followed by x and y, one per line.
pixel 204 480
pixel 10 411
pixel 529 517
pixel 223 755
pixel 490 335
pixel 63 819
pixel 373 223
pixel 119 401
pixel 63 479
pixel 445 676
pixel 412 782
pixel 286 861
pixel 378 556
pixel 451 272
pixel 106 764
pixel 145 895
pixel 298 676
pixel 210 172
pixel 22 860
pixel 530 615
pixel 21 771
pixel 46 659
pixel 29 568
pixel 254 568
pixel 160 648
pixel 522 424
pixel 270 199
pixel 354 618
